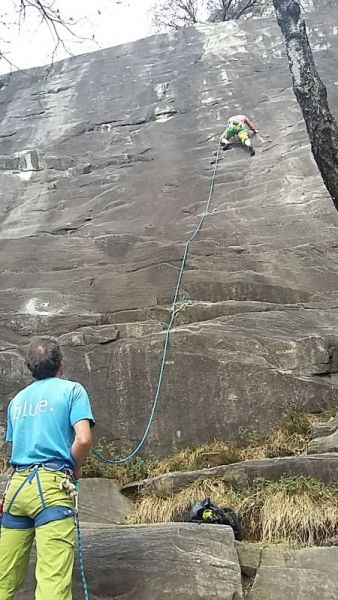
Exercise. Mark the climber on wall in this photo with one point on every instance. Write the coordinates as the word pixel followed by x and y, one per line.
pixel 49 426
pixel 239 125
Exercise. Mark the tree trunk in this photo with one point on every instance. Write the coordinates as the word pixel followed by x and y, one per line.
pixel 311 94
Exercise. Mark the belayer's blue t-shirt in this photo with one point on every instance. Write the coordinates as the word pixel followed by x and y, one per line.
pixel 41 420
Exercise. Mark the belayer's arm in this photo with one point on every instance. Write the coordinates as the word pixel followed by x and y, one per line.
pixel 82 445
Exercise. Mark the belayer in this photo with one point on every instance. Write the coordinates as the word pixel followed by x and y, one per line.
pixel 239 125
pixel 49 426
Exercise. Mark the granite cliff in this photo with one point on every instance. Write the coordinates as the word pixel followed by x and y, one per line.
pixel 105 166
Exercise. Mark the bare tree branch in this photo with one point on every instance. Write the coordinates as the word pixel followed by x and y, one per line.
pixel 174 14
pixel 51 17
pixel 12 65
pixel 311 94
pixel 247 7
pixel 58 25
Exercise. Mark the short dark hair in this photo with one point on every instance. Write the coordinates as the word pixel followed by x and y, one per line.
pixel 43 357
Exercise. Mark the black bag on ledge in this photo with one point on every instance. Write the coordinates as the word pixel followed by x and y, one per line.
pixel 205 511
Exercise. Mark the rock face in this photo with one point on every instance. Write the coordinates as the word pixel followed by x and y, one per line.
pixel 105 167
pixel 307 574
pixel 101 501
pixel 3 483
pixel 325 437
pixel 175 562
pixel 191 562
pixel 323 467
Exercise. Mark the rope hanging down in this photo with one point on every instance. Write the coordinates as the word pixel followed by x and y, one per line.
pixel 81 559
pixel 174 310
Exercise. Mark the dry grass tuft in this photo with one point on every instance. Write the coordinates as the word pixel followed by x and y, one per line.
pixel 151 509
pixel 4 465
pixel 210 454
pixel 295 510
pixel 134 470
pixel 298 511
pixel 188 459
pixel 290 438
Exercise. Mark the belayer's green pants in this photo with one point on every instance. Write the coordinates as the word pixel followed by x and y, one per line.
pixel 54 541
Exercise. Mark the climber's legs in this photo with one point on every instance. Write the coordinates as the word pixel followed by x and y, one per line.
pixel 243 135
pixel 54 539
pixel 15 546
pixel 227 134
pixel 244 138
pixel 55 558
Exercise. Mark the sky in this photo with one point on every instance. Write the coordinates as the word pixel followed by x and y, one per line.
pixel 112 22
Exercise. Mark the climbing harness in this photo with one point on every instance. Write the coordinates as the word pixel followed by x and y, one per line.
pixel 48 513
pixel 175 307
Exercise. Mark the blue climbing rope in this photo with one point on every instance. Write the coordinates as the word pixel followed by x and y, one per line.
pixel 79 544
pixel 81 559
pixel 137 448
pixel 174 311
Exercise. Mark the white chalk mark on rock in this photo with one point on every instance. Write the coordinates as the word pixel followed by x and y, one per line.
pixel 35 307
pixel 88 364
pixel 24 175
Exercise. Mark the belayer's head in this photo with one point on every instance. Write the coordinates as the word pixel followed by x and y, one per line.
pixel 44 358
